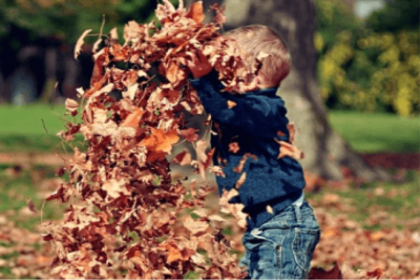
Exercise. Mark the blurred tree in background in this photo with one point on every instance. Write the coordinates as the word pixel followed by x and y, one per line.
pixel 372 64
pixel 366 65
pixel 397 15
pixel 26 21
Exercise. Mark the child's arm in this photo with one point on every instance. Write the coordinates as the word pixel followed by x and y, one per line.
pixel 259 115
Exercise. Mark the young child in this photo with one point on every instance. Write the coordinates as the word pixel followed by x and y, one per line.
pixel 282 230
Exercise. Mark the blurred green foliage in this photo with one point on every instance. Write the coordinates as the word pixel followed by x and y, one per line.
pixel 369 65
pixel 397 15
pixel 25 21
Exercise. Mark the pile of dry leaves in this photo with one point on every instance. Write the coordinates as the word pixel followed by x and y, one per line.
pixel 124 205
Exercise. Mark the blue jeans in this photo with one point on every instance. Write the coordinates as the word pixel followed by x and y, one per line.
pixel 282 247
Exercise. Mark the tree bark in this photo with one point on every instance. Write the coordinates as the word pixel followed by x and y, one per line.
pixel 295 21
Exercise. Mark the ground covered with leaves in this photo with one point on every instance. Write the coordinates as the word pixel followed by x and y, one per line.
pixel 369 230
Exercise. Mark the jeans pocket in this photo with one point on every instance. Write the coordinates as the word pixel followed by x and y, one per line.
pixel 304 244
pixel 264 248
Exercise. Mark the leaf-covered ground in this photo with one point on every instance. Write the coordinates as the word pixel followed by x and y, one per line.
pixel 369 230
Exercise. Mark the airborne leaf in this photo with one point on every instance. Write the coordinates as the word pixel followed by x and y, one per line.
pixel 196 12
pixel 80 43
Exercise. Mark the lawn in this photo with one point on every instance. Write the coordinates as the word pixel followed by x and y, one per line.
pixel 377 132
pixel 32 128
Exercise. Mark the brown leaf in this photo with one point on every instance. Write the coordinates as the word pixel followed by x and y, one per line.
pixel 71 106
pixel 234 147
pixel 199 65
pixel 287 149
pixel 196 12
pixel 281 133
pixel 240 181
pixel 132 31
pixel 219 17
pixel 113 34
pixel 31 205
pixel 241 164
pixel 374 274
pixel 195 227
pixel 80 43
pixel 292 130
pixel 319 273
pixel 218 171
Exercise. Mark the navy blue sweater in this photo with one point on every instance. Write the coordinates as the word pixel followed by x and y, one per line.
pixel 253 123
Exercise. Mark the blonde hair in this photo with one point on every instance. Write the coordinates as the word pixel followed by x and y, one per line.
pixel 256 39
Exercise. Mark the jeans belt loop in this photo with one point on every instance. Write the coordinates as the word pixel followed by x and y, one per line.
pixel 297 214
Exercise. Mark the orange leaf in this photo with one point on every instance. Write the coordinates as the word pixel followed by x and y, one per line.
pixel 159 141
pixel 196 12
pixel 231 104
pixel 133 119
pixel 174 253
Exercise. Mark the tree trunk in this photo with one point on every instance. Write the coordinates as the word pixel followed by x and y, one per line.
pixel 295 22
pixel 2 89
pixel 49 91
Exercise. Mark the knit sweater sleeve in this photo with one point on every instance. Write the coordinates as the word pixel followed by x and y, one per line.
pixel 259 115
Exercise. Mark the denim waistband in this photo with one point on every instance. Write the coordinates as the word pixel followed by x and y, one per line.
pixel 300 200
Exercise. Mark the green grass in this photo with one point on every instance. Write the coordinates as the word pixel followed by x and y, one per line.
pixel 22 128
pixel 377 132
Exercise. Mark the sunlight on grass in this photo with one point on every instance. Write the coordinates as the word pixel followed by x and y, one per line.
pixel 377 132
pixel 32 128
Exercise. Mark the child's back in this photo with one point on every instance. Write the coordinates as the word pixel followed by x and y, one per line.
pixel 282 230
